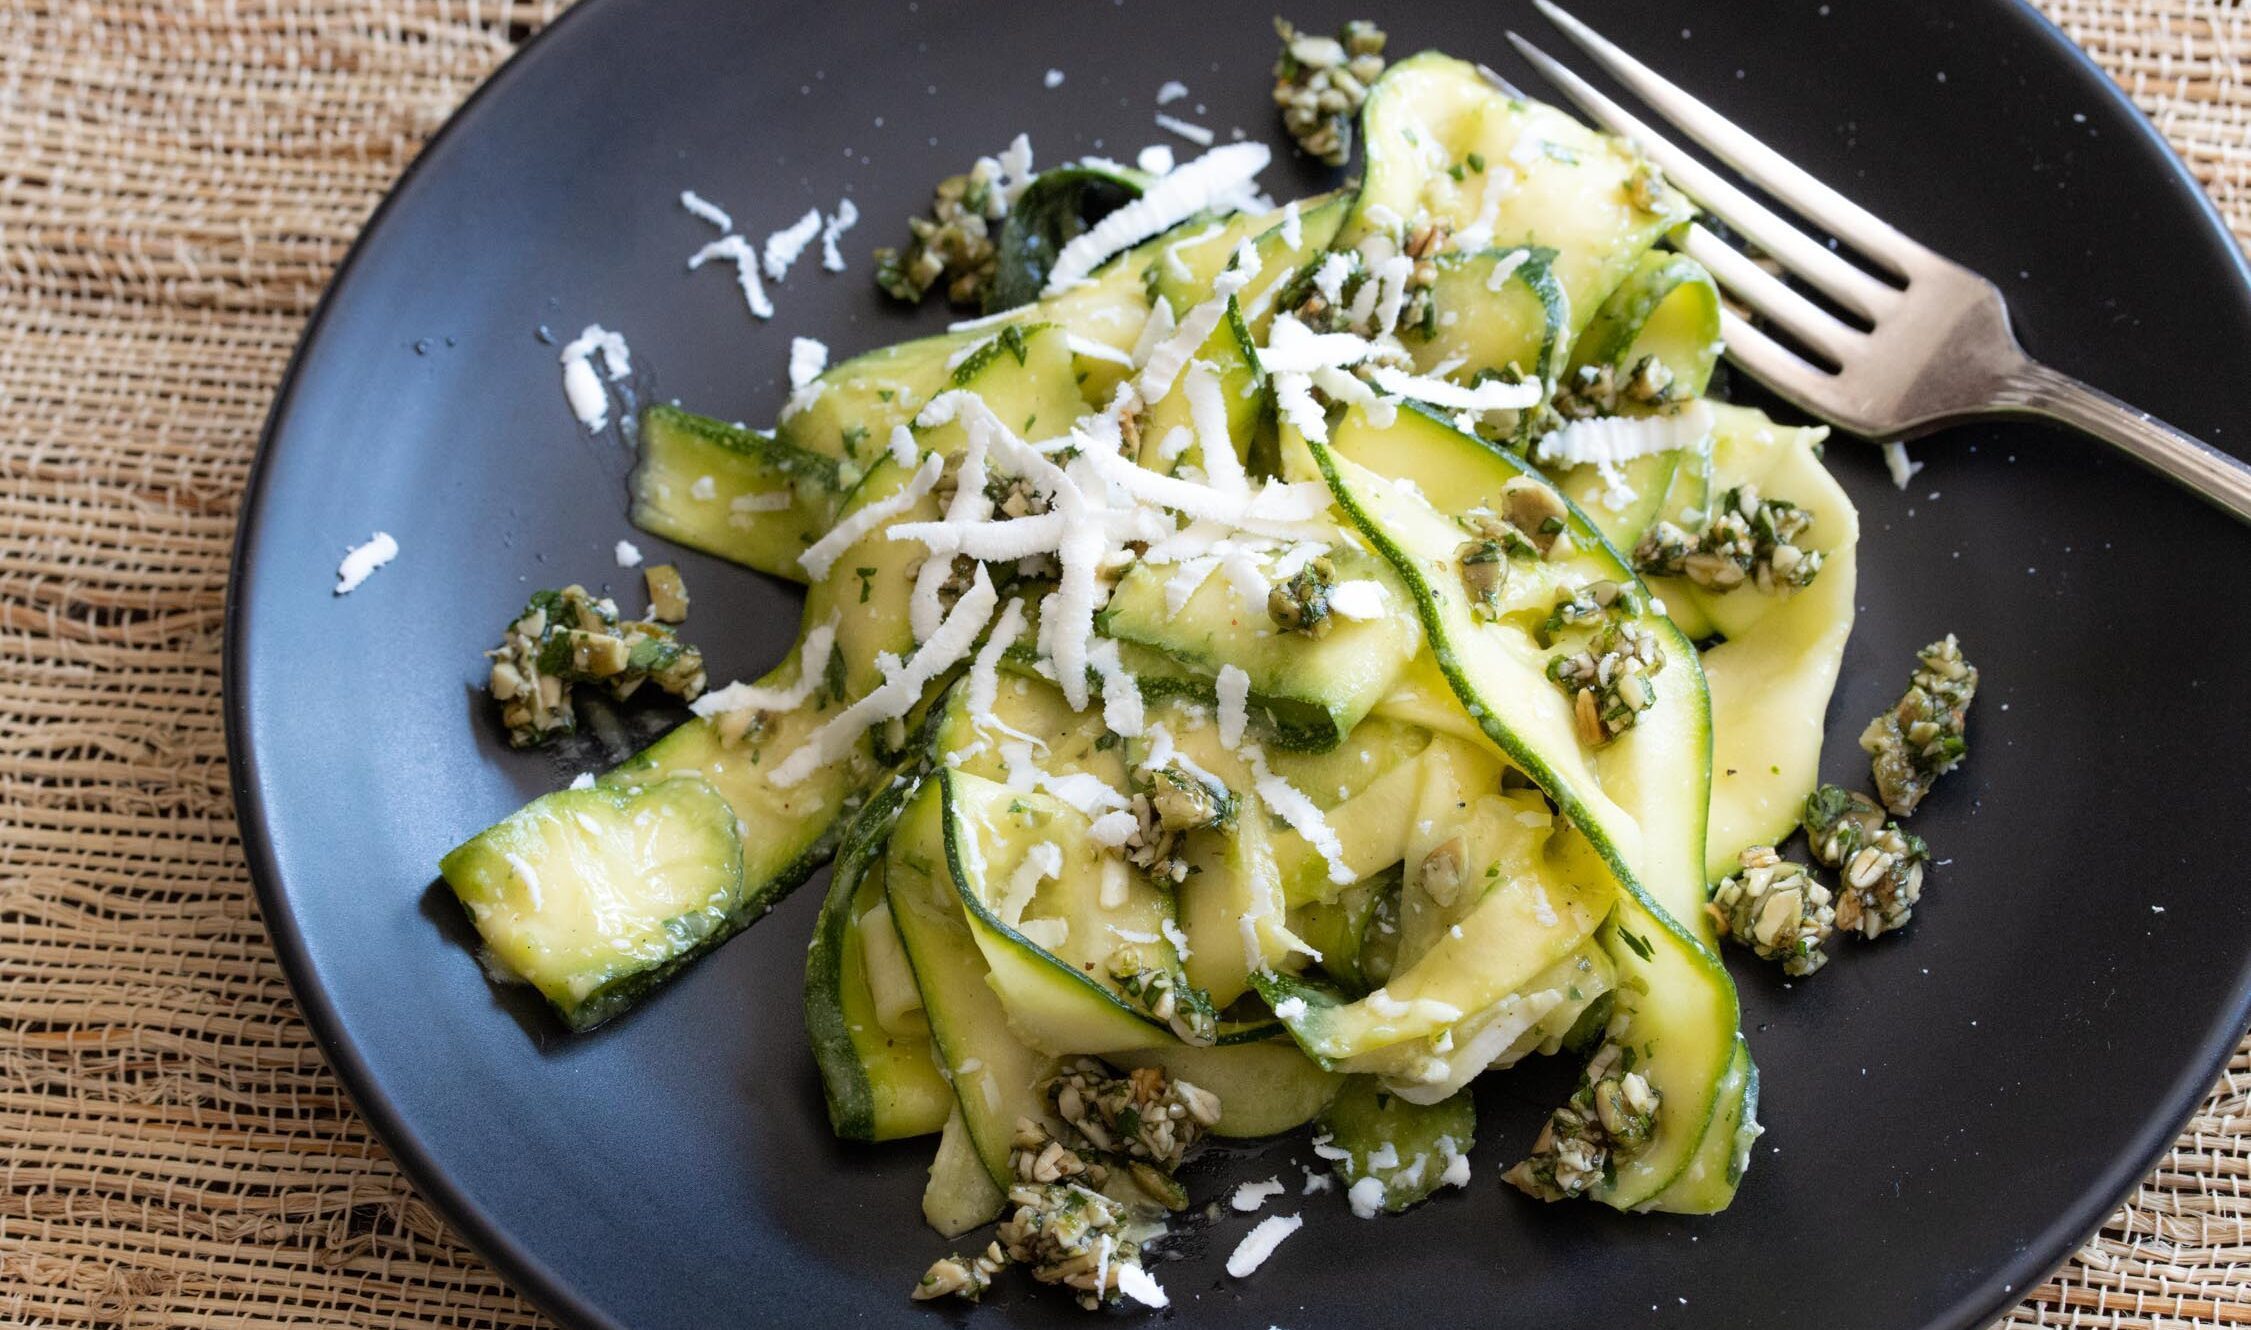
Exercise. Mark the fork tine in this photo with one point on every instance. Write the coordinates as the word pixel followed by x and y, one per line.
pixel 1759 164
pixel 1492 76
pixel 1757 223
pixel 1767 294
pixel 1782 370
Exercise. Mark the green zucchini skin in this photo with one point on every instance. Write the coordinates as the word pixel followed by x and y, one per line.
pixel 847 1081
pixel 680 449
pixel 1671 951
pixel 496 859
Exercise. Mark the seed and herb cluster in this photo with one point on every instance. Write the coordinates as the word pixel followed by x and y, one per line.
pixel 1747 540
pixel 954 247
pixel 1777 909
pixel 1610 1118
pixel 1170 803
pixel 1922 738
pixel 1082 1191
pixel 1320 83
pixel 569 637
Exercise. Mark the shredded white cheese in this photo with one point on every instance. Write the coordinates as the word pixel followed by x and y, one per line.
pixel 901 687
pixel 1505 268
pixel 846 216
pixel 581 388
pixel 1156 159
pixel 1219 176
pixel 1260 1242
pixel 1293 227
pixel 736 250
pixel 1289 1009
pixel 812 664
pixel 1360 598
pixel 1366 1197
pixel 1491 395
pixel 1903 468
pixel 1186 129
pixel 1053 79
pixel 364 558
pixel 1233 689
pixel 807 359
pixel 822 554
pixel 1141 1286
pixel 1304 816
pixel 1249 1196
pixel 628 554
pixel 584 780
pixel 1093 350
pixel 1170 91
pixel 784 246
pixel 1616 439
pixel 707 210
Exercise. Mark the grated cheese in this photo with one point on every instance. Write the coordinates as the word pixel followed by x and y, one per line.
pixel 1360 599
pixel 822 554
pixel 628 554
pixel 1615 439
pixel 1260 1242
pixel 584 780
pixel 1505 268
pixel 1186 129
pixel 1121 696
pixel 1141 1286
pixel 1219 176
pixel 1249 1196
pixel 1303 815
pixel 812 665
pixel 1903 468
pixel 581 388
pixel 901 687
pixel 1093 350
pixel 1491 395
pixel 1366 1197
pixel 846 216
pixel 984 671
pixel 807 359
pixel 1053 79
pixel 707 210
pixel 1156 159
pixel 1289 1009
pixel 1170 91
pixel 1293 227
pixel 1233 689
pixel 784 246
pixel 363 559
pixel 737 251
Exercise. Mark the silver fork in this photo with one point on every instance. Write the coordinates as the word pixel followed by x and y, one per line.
pixel 1939 349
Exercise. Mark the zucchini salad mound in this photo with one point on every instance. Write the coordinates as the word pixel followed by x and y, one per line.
pixel 1277 664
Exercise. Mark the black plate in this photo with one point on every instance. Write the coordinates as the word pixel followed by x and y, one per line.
pixel 1950 1111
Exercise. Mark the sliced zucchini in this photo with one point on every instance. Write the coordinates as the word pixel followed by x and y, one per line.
pixel 848 413
pixel 1708 1183
pixel 1169 437
pixel 960 1195
pixel 1391 1153
pixel 1024 865
pixel 1519 324
pixel 1771 679
pixel 1198 251
pixel 1640 802
pixel 1283 258
pixel 876 1069
pixel 996 1076
pixel 1546 178
pixel 1320 687
pixel 1264 1088
pixel 1667 307
pixel 593 896
pixel 737 493
pixel 1054 209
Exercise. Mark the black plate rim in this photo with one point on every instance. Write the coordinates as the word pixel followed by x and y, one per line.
pixel 551 1289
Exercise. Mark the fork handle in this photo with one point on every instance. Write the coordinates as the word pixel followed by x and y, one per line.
pixel 2224 481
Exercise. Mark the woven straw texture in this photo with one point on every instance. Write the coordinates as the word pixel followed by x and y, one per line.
pixel 177 180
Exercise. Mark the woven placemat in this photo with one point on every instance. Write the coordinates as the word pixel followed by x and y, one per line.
pixel 176 183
